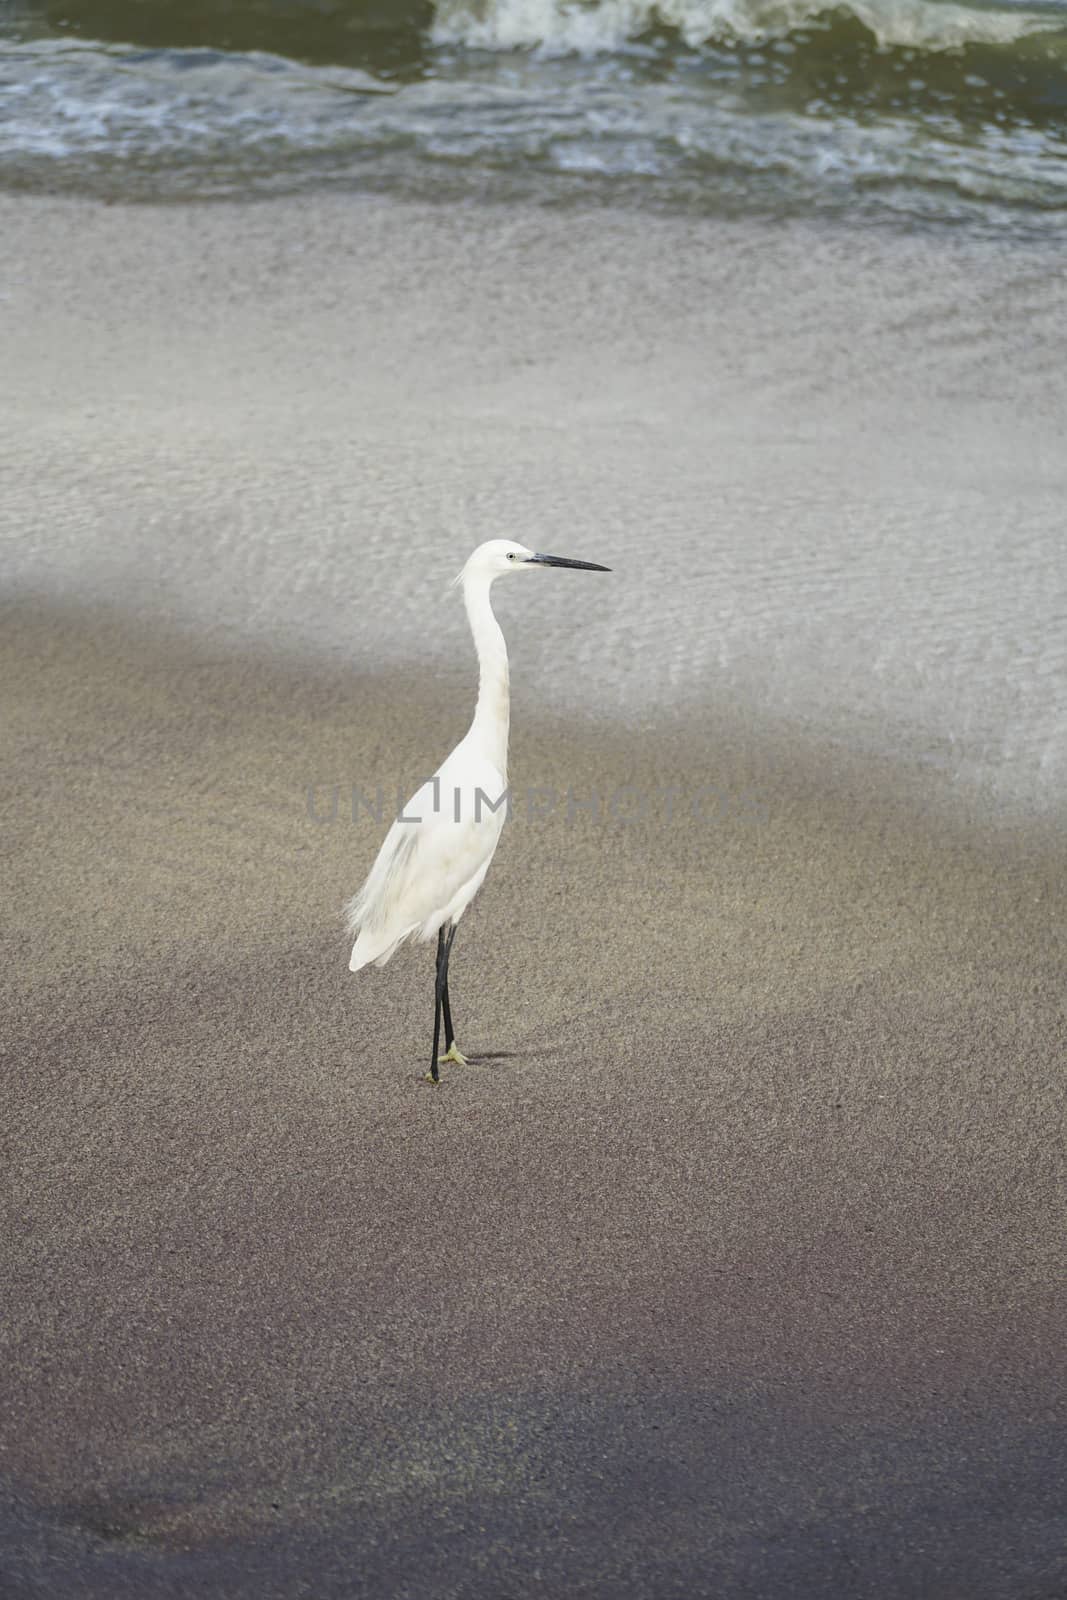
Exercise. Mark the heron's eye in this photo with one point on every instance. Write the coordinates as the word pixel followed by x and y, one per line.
pixel 511 555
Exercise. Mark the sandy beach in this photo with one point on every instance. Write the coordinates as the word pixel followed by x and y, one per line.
pixel 733 1264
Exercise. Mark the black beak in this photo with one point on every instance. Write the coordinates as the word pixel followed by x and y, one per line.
pixel 565 561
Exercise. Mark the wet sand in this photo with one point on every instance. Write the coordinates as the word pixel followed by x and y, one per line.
pixel 731 1266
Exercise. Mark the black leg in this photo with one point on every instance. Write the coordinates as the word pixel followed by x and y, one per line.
pixel 438 984
pixel 450 1032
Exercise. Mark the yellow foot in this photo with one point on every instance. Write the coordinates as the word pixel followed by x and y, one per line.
pixel 428 1077
pixel 454 1055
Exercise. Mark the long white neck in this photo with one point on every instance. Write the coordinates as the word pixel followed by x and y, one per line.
pixel 493 711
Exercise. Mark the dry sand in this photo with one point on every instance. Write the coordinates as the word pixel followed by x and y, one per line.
pixel 734 1265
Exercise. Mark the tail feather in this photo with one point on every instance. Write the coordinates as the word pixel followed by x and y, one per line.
pixel 374 944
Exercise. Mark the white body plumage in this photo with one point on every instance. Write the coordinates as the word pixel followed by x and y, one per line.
pixel 433 859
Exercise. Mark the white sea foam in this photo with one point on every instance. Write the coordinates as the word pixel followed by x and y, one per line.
pixel 74 97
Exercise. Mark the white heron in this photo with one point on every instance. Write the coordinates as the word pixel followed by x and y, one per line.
pixel 436 854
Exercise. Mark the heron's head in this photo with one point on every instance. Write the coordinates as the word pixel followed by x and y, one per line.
pixel 497 556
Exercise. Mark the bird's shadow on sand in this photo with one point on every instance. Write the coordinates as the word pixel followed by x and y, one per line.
pixel 486 1058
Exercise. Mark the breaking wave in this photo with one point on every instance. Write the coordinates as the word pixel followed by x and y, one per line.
pixel 567 26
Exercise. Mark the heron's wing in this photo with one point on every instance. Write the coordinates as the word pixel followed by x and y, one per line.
pixel 442 838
